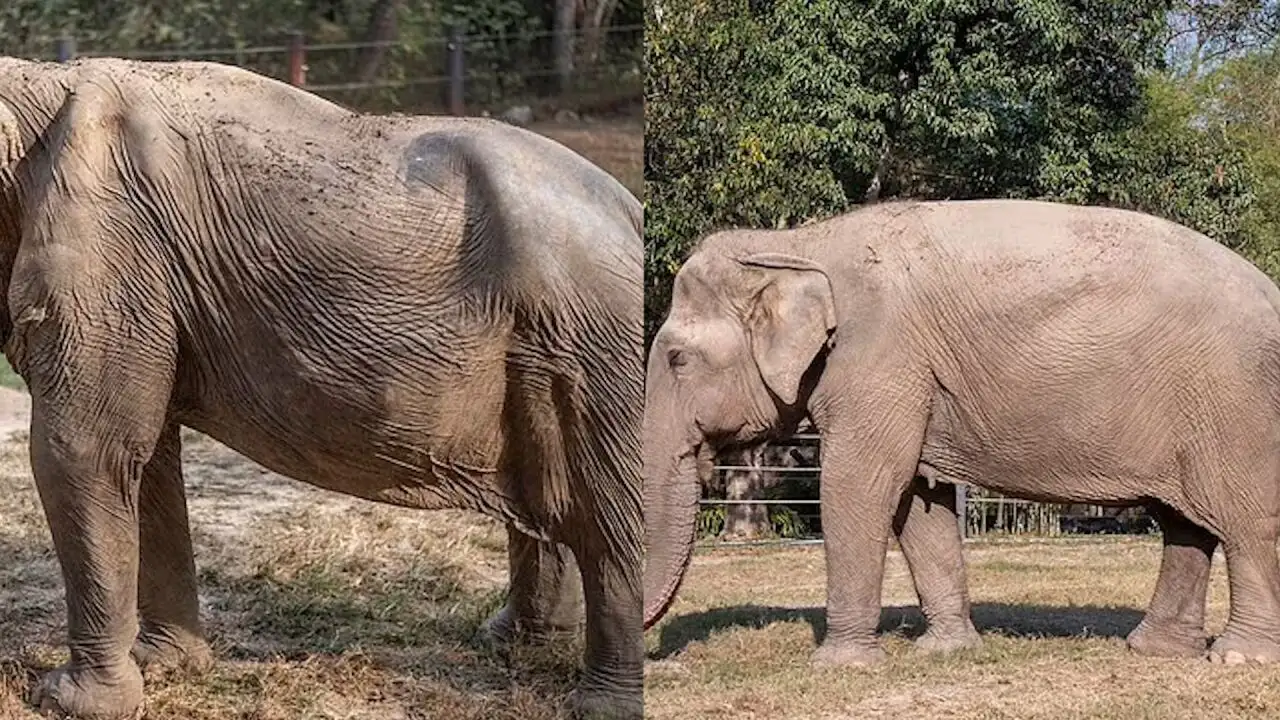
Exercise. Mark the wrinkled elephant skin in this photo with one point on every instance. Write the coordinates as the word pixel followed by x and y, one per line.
pixel 1045 351
pixel 428 312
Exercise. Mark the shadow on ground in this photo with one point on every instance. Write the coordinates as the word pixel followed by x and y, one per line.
pixel 1013 620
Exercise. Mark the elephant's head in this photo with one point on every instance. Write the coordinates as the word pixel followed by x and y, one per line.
pixel 734 361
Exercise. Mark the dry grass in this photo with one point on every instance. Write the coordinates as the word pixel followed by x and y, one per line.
pixel 1053 614
pixel 318 606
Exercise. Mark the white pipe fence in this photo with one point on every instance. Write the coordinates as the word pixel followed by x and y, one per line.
pixel 982 513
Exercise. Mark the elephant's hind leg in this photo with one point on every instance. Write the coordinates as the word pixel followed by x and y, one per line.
pixel 1174 623
pixel 929 532
pixel 171 637
pixel 545 600
pixel 612 685
pixel 1253 570
pixel 1237 500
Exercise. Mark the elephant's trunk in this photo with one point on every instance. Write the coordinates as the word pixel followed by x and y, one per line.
pixel 673 485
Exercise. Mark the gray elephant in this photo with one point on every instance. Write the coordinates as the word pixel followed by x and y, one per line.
pixel 428 312
pixel 1045 351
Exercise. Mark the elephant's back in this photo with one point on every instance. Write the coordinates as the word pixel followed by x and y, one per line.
pixel 555 203
pixel 1029 254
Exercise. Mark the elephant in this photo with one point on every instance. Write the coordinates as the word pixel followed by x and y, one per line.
pixel 429 312
pixel 1047 351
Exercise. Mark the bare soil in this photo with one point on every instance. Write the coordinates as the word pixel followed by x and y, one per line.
pixel 15 412
pixel 318 605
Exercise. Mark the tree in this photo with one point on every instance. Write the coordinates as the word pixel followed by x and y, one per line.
pixel 768 114
pixel 383 29
pixel 1203 33
pixel 566 11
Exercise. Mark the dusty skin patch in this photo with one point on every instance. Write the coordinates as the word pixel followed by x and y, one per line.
pixel 1053 615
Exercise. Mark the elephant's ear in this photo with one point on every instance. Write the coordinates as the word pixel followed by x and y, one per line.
pixel 790 319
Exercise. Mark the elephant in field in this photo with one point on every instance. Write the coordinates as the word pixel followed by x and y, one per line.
pixel 428 312
pixel 1045 351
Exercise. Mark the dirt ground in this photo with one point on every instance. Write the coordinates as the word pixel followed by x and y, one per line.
pixel 318 605
pixel 15 412
pixel 1053 614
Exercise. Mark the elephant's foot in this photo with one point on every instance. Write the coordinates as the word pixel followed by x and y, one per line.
pixel 1170 641
pixel 166 652
pixel 503 630
pixel 1236 650
pixel 588 703
pixel 949 638
pixel 70 692
pixel 844 654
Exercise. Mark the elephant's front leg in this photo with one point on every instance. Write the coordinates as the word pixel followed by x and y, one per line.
pixel 89 484
pixel 612 683
pixel 545 599
pixel 869 456
pixel 171 636
pixel 1173 625
pixel 929 532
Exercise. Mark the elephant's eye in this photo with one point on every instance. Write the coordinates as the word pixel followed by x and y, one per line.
pixel 677 358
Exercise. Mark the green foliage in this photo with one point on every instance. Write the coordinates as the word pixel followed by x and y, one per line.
pixel 787 523
pixel 709 522
pixel 508 47
pixel 9 377
pixel 768 114
pixel 30 27
pixel 1246 104
pixel 1179 164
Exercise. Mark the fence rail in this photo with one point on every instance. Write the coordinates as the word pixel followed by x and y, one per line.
pixel 458 73
pixel 981 513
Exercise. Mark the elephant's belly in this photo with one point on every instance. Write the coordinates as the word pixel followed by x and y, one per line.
pixel 1048 464
pixel 412 441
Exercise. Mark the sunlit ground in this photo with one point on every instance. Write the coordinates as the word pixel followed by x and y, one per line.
pixel 1053 614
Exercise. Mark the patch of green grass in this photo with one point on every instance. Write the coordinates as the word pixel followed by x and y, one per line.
pixel 8 377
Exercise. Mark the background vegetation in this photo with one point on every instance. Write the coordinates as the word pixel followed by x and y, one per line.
pixel 513 51
pixel 770 113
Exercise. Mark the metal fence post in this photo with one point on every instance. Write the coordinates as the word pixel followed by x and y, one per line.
pixel 457 70
pixel 65 48
pixel 297 59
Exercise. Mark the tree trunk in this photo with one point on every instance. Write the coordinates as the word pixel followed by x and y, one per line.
pixel 746 521
pixel 562 47
pixel 383 29
pixel 595 18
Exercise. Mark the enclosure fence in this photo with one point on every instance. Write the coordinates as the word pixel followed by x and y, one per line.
pixel 455 73
pixel 773 500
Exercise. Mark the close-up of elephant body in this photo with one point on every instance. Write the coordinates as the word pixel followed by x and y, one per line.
pixel 428 312
pixel 1050 352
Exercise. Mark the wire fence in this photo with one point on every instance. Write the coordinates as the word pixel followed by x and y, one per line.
pixel 456 73
pixel 769 496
